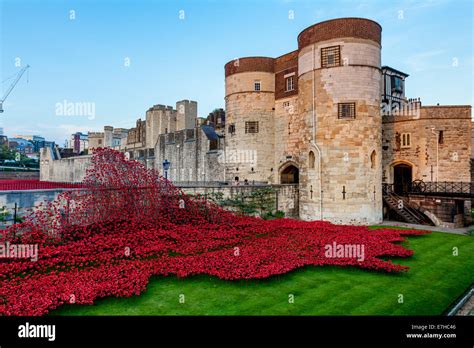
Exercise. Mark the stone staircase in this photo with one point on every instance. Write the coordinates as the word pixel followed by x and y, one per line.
pixel 402 207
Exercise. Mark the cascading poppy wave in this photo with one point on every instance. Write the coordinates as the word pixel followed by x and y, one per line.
pixel 130 224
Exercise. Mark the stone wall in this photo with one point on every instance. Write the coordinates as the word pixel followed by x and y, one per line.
pixel 432 159
pixel 191 156
pixel 350 148
pixel 96 140
pixel 186 114
pixel 449 212
pixel 286 196
pixel 250 155
pixel 72 169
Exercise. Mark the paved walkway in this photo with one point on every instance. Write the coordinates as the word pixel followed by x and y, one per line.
pixel 463 230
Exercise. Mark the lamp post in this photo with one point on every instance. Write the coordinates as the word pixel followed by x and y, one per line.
pixel 166 166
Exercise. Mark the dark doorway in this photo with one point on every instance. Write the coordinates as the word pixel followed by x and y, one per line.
pixel 290 175
pixel 402 177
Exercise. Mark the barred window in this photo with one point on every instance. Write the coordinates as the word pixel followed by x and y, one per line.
pixel 231 128
pixel 290 84
pixel 251 127
pixel 257 85
pixel 330 56
pixel 346 110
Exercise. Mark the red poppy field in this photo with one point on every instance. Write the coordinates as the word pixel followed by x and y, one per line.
pixel 131 224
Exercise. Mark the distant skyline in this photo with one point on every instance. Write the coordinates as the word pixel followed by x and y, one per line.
pixel 109 61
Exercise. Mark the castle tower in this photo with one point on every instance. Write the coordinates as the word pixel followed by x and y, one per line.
pixel 250 101
pixel 339 87
pixel 108 136
pixel 186 114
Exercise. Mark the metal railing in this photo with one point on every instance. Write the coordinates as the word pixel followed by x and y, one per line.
pixel 217 183
pixel 14 213
pixel 441 188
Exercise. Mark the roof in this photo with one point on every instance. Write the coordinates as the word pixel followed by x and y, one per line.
pixel 394 70
pixel 210 132
pixel 21 141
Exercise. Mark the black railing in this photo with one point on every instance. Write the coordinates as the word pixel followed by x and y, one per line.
pixel 441 188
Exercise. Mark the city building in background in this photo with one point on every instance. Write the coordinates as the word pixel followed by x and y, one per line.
pixel 79 143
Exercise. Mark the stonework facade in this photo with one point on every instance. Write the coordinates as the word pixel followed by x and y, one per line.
pixel 314 117
pixel 439 147
pixel 301 136
pixel 195 155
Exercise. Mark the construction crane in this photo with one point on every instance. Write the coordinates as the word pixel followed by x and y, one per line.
pixel 9 90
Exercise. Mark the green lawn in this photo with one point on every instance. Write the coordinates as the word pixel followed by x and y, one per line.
pixel 436 278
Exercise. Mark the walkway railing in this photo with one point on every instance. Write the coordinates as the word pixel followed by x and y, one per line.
pixel 441 188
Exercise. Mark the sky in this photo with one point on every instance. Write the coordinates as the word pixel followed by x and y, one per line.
pixel 118 58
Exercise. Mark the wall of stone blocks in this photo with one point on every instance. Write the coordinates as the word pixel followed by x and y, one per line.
pixel 286 196
pixel 71 169
pixel 351 182
pixel 250 155
pixel 190 156
pixel 452 156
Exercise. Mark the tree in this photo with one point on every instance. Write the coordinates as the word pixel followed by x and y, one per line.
pixel 6 153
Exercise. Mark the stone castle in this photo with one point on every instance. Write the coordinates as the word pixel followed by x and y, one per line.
pixel 327 117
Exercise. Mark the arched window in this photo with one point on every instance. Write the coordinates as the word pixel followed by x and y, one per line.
pixel 311 160
pixel 373 157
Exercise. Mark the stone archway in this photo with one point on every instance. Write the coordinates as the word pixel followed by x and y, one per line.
pixel 289 174
pixel 402 177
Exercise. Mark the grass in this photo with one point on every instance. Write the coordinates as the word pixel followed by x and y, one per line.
pixel 435 279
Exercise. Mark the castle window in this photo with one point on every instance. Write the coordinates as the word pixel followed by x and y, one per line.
pixel 251 127
pixel 231 128
pixel 330 56
pixel 311 160
pixel 290 83
pixel 406 140
pixel 440 137
pixel 346 110
pixel 100 141
pixel 213 145
pixel 373 156
pixel 286 104
pixel 397 84
pixel 257 85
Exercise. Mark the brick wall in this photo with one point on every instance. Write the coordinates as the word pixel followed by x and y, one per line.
pixel 284 65
pixel 339 28
pixel 264 64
